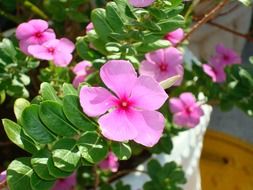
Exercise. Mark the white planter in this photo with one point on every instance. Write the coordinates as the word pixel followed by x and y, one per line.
pixel 186 152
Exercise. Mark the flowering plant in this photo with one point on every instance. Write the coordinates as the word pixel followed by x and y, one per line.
pixel 121 92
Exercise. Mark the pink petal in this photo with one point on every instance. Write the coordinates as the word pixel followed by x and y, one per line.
pixel 188 99
pixel 49 34
pixel 24 31
pixel 65 45
pixel 116 126
pixel 157 57
pixel 149 69
pixel 77 80
pixel 175 36
pixel 218 76
pixel 80 68
pixel 176 105
pixel 95 101
pixel 148 94
pixel 150 125
pixel 66 184
pixel 51 43
pixel 23 45
pixel 89 27
pixel 110 163
pixel 38 24
pixel 3 175
pixel 62 59
pixel 140 3
pixel 172 56
pixel 40 52
pixel 119 76
pixel 220 48
pixel 180 119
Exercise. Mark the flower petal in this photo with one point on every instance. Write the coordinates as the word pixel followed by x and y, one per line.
pixel 148 94
pixel 80 68
pixel 40 52
pixel 24 31
pixel 188 99
pixel 180 119
pixel 77 80
pixel 119 76
pixel 62 59
pixel 141 3
pixel 38 24
pixel 95 101
pixel 65 45
pixel 172 56
pixel 176 105
pixel 150 125
pixel 116 126
pixel 149 68
pixel 156 57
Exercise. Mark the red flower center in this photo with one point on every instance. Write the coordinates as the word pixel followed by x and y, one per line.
pixel 225 57
pixel 163 67
pixel 50 50
pixel 123 104
pixel 38 34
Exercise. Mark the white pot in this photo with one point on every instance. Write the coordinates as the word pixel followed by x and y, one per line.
pixel 186 152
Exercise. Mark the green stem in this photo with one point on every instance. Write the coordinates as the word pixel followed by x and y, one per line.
pixel 35 9
pixel 10 17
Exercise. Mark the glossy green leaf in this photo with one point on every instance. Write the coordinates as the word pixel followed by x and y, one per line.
pixel 68 89
pixel 153 46
pixel 51 114
pixel 19 173
pixel 102 28
pixel 121 150
pixel 56 172
pixel 17 136
pixel 113 17
pixel 19 106
pixel 92 147
pixel 72 110
pixel 33 126
pixel 48 92
pixel 66 155
pixel 8 48
pixel 39 163
pixel 39 184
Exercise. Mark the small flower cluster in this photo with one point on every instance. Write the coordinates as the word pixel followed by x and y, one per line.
pixel 216 65
pixel 39 41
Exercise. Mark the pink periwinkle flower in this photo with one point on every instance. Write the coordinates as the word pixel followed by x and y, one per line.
pixel 110 163
pixel 66 184
pixel 58 51
pixel 3 176
pixel 89 27
pixel 140 3
pixel 128 112
pixel 175 36
pixel 35 31
pixel 215 69
pixel 81 70
pixel 186 111
pixel 162 64
pixel 227 56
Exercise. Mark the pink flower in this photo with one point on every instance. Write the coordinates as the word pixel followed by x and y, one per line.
pixel 140 3
pixel 215 70
pixel 35 31
pixel 162 64
pixel 175 36
pixel 89 27
pixel 227 56
pixel 66 184
pixel 3 176
pixel 58 51
pixel 110 163
pixel 131 107
pixel 186 112
pixel 81 70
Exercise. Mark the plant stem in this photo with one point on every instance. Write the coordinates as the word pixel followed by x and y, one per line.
pixel 204 20
pixel 35 9
pixel 246 36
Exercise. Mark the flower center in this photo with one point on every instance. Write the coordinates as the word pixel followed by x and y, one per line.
pixel 225 57
pixel 163 67
pixel 50 50
pixel 123 104
pixel 38 34
pixel 188 110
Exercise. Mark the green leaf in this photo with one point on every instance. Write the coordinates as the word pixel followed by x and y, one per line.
pixel 153 46
pixel 48 92
pixel 56 172
pixel 33 127
pixel 168 25
pixel 113 17
pixel 121 150
pixel 66 155
pixel 2 96
pixel 19 173
pixel 92 147
pixel 39 163
pixel 71 108
pixel 40 184
pixel 102 28
pixel 8 48
pixel 68 89
pixel 19 106
pixel 51 114
pixel 17 136
pixel 153 168
pixel 125 9
pixel 163 146
pixel 246 2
